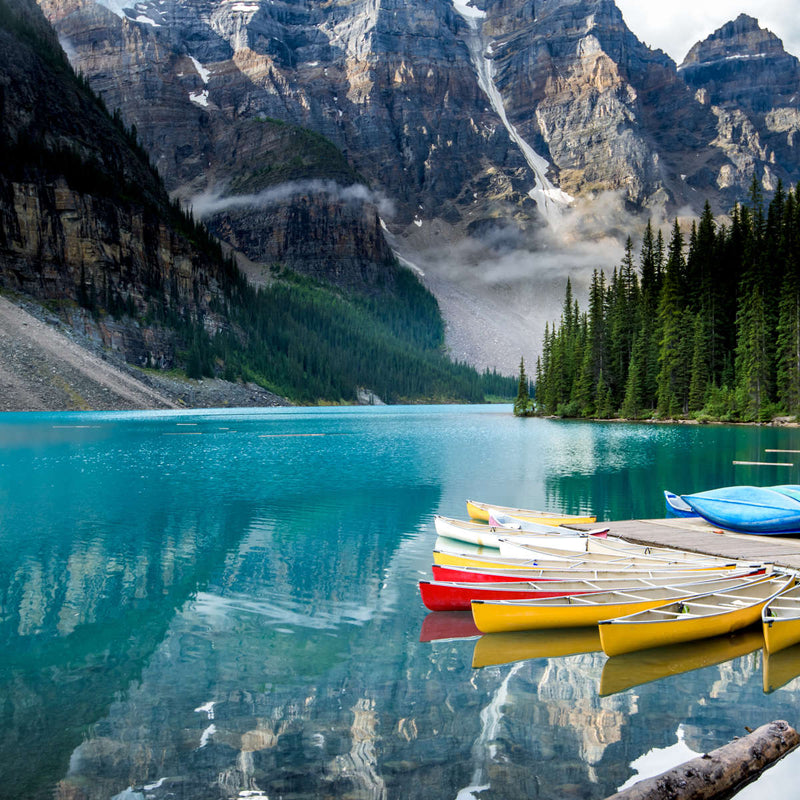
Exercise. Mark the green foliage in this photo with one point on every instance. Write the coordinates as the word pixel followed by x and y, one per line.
pixel 522 403
pixel 711 330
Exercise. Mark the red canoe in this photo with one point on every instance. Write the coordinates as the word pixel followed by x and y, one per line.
pixel 451 596
pixel 457 595
pixel 511 575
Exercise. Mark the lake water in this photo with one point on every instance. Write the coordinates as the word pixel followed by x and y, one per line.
pixel 223 604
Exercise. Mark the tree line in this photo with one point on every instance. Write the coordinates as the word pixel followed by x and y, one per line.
pixel 707 327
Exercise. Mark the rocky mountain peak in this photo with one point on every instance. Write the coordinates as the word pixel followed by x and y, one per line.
pixel 743 65
pixel 740 38
pixel 752 86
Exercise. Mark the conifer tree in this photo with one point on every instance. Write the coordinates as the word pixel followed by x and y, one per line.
pixel 522 404
pixel 673 374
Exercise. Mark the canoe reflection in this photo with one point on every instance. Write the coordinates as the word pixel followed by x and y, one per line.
pixel 643 666
pixel 447 625
pixel 503 648
pixel 780 668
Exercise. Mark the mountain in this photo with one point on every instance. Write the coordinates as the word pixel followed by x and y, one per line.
pixel 88 230
pixel 84 218
pixel 415 94
pixel 497 145
pixel 752 86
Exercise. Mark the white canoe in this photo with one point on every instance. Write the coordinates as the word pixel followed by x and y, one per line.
pixel 483 535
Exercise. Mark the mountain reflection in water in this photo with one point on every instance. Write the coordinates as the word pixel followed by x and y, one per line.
pixel 236 612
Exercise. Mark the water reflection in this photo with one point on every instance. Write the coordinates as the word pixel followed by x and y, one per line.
pixel 633 669
pixel 503 648
pixel 780 668
pixel 212 604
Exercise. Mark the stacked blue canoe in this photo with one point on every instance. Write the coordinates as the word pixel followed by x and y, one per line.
pixel 748 509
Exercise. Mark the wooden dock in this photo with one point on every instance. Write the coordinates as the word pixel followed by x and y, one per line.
pixel 698 536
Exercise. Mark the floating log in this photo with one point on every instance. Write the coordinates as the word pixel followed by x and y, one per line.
pixel 715 775
pixel 763 463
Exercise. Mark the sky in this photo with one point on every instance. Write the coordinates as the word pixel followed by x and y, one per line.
pixel 674 26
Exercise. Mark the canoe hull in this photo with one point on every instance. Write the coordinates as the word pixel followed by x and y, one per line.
pixel 617 637
pixel 489 536
pixel 780 620
pixel 457 597
pixel 480 511
pixel 496 618
pixel 677 506
pixel 780 634
pixel 748 509
pixel 699 617
pixel 579 610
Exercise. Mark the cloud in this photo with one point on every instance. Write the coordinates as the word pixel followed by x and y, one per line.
pixel 216 201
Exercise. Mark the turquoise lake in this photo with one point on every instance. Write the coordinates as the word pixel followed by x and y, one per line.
pixel 224 604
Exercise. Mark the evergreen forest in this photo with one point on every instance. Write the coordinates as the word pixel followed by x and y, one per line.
pixel 706 325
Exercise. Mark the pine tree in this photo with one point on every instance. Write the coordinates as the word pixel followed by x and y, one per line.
pixel 673 374
pixel 522 405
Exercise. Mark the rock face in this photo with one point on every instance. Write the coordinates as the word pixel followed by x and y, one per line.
pixel 397 88
pixel 83 218
pixel 751 84
pixel 611 113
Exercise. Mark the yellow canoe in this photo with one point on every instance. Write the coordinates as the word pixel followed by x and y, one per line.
pixel 581 610
pixel 480 511
pixel 644 666
pixel 780 619
pixel 505 648
pixel 699 617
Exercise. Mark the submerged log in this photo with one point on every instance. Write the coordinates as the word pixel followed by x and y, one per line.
pixel 717 774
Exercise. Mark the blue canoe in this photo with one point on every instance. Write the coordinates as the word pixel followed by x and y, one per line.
pixel 750 509
pixel 677 506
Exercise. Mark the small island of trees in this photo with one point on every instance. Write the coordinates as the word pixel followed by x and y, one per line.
pixel 709 331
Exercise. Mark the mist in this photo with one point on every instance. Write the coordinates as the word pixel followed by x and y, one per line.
pixel 215 201
pixel 498 291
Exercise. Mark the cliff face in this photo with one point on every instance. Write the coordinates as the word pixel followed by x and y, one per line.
pixel 82 216
pixel 611 113
pixel 751 85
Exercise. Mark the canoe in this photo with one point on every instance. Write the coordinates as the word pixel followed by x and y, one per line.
pixel 677 506
pixel 509 574
pixel 780 619
pixel 585 564
pixel 622 548
pixel 699 617
pixel 480 511
pixel 483 535
pixel 504 648
pixel 453 595
pixel 577 610
pixel 748 509
pixel 599 551
pixel 645 666
pixel 507 522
